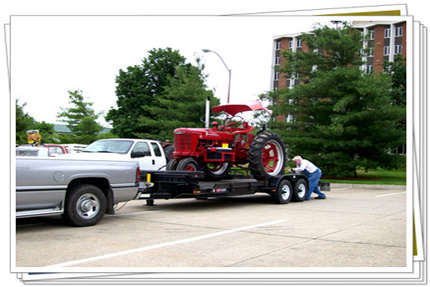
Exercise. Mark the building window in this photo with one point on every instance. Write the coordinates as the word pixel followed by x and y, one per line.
pixel 290 44
pixel 276 76
pixel 370 52
pixel 278 45
pixel 277 61
pixel 372 35
pixel 397 49
pixel 387 33
pixel 288 119
pixel 386 50
pixel 369 69
pixel 299 43
pixel 399 31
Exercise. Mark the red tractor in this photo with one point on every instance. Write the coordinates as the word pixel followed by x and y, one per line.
pixel 215 150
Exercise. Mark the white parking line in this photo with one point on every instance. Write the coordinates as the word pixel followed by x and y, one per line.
pixel 389 194
pixel 166 244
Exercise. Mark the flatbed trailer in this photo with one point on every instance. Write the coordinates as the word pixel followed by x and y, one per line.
pixel 190 184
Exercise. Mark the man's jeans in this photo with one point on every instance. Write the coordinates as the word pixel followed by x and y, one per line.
pixel 314 179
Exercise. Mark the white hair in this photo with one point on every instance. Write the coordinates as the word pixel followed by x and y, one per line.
pixel 297 158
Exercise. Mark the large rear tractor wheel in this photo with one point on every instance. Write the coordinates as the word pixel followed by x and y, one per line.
pixel 168 151
pixel 266 155
pixel 216 171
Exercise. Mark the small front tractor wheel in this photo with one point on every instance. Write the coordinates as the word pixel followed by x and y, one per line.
pixel 172 164
pixel 267 155
pixel 188 164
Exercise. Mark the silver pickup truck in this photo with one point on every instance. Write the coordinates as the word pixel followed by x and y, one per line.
pixel 82 191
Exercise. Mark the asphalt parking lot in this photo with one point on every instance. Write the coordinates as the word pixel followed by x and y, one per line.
pixel 353 227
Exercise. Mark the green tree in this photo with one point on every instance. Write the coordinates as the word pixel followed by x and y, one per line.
pixel 137 91
pixel 80 119
pixel 342 118
pixel 329 49
pixel 47 132
pixel 162 94
pixel 181 104
pixel 397 71
pixel 25 122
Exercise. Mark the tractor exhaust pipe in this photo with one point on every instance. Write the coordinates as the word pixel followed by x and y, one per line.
pixel 208 106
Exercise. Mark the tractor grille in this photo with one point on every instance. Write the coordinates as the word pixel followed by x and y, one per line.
pixel 183 142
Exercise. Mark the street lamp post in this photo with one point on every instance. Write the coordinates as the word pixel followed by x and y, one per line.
pixel 229 72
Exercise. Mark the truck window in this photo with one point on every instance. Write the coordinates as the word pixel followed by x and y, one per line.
pixel 114 146
pixel 142 147
pixel 156 148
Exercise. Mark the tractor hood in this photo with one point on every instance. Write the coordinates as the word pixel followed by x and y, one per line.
pixel 233 109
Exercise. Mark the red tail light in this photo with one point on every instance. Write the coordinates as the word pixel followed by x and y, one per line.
pixel 138 175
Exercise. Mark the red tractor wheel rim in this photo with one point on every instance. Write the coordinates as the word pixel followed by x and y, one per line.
pixel 190 167
pixel 216 167
pixel 271 157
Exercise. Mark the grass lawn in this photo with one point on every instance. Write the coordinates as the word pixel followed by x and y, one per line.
pixel 378 176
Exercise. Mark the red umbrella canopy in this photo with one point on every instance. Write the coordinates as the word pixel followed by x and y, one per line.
pixel 233 109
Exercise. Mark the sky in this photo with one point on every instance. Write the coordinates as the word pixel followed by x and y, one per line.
pixel 51 55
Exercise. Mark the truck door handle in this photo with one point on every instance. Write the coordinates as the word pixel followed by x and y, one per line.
pixel 153 162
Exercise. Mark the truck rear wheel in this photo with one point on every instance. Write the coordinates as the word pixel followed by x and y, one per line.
pixel 85 205
pixel 267 155
pixel 284 192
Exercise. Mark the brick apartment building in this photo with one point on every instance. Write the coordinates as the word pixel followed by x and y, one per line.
pixel 387 39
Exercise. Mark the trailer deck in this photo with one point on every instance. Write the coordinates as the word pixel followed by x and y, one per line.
pixel 190 184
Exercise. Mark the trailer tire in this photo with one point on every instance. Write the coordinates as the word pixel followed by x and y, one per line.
pixel 85 205
pixel 188 164
pixel 267 156
pixel 284 192
pixel 301 188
